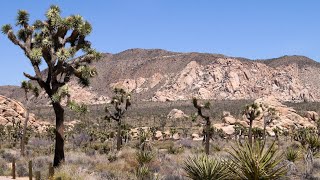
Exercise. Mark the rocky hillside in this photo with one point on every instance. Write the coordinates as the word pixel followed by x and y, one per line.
pixel 159 75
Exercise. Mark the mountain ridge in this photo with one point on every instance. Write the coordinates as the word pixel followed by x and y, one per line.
pixel 149 73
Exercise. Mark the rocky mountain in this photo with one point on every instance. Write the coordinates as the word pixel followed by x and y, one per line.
pixel 159 75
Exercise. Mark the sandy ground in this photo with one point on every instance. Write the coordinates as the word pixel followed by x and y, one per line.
pixel 10 178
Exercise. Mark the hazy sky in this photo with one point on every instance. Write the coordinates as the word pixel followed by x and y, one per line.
pixel 246 28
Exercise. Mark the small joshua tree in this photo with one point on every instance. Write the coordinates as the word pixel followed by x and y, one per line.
pixel 207 130
pixel 269 116
pixel 251 112
pixel 55 41
pixel 121 102
pixel 27 87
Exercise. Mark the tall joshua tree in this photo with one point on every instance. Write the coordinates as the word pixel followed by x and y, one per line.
pixel 251 112
pixel 27 87
pixel 206 118
pixel 121 102
pixel 55 41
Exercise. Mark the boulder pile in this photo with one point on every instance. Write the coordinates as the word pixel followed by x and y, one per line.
pixel 285 118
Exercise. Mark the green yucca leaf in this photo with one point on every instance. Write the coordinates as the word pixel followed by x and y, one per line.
pixel 53 12
pixel 76 21
pixel 205 167
pixel 144 157
pixel 38 24
pixel 85 28
pixel 256 162
pixel 46 42
pixel 21 34
pixel 292 154
pixel 6 28
pixel 86 74
pixel 36 55
pixel 36 91
pixel 63 54
pixel 22 18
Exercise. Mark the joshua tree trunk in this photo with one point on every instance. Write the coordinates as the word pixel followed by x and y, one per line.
pixel 23 139
pixel 119 138
pixel 59 146
pixel 250 133
pixel 207 143
pixel 264 134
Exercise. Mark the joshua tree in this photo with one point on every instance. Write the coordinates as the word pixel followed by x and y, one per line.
pixel 55 41
pixel 251 112
pixel 121 102
pixel 207 131
pixel 269 116
pixel 27 87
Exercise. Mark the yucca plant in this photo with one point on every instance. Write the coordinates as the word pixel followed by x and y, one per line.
pixel 292 154
pixel 313 142
pixel 205 168
pixel 143 173
pixel 144 157
pixel 256 162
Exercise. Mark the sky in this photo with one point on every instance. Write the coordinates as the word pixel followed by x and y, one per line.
pixel 255 29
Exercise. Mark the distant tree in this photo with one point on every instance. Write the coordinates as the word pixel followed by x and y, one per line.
pixel 269 116
pixel 27 87
pixel 121 102
pixel 206 118
pixel 55 41
pixel 251 112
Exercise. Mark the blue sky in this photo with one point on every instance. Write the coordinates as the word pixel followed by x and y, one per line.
pixel 247 28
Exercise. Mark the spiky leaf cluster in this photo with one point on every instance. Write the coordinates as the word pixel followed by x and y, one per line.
pixel 60 94
pixel 82 109
pixel 28 87
pixel 35 56
pixel 256 162
pixel 6 28
pixel 205 167
pixel 86 73
pixel 55 41
pixel 22 18
pixel 252 111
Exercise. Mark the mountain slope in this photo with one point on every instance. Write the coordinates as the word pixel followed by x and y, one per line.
pixel 159 75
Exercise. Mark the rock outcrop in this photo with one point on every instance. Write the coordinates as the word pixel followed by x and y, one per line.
pixel 13 112
pixel 285 118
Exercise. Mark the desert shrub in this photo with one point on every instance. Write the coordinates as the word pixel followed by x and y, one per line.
pixel 175 150
pixel 186 143
pixel 112 157
pixel 8 156
pixel 72 172
pixel 22 168
pixel 256 162
pixel 41 163
pixel 204 167
pixel 3 167
pixel 79 139
pixel 292 154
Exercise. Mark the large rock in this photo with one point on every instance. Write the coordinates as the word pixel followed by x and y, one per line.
pixel 176 114
pixel 285 118
pixel 12 111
